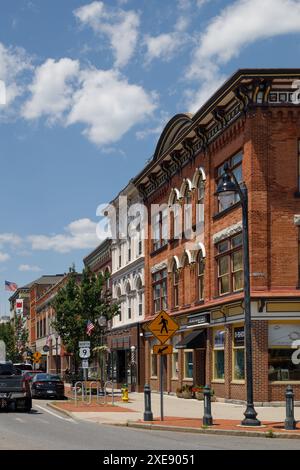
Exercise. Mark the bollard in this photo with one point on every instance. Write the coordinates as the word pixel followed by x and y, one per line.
pixel 207 417
pixel 290 422
pixel 148 415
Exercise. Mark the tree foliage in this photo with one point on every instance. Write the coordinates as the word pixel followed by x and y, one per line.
pixel 82 298
pixel 7 334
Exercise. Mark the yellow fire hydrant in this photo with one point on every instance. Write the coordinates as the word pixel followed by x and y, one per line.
pixel 124 391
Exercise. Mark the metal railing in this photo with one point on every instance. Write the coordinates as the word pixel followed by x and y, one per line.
pixel 86 392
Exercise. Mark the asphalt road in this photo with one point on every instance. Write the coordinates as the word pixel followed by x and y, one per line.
pixel 44 429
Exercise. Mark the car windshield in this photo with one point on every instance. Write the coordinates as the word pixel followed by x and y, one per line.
pixel 41 377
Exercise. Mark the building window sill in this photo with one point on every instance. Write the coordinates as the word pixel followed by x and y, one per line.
pixel 238 382
pixel 218 381
pixel 222 296
pixel 159 250
pixel 219 215
pixel 187 379
pixel 199 302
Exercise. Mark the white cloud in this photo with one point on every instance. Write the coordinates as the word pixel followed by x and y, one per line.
pixel 28 267
pixel 80 234
pixel 120 26
pixel 163 46
pixel 51 89
pixel 10 239
pixel 3 257
pixel 166 45
pixel 109 105
pixel 238 25
pixel 14 61
pixel 242 23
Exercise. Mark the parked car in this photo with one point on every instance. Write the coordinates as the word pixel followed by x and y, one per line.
pixel 47 385
pixel 22 367
pixel 29 374
pixel 14 390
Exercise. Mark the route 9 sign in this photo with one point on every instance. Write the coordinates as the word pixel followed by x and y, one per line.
pixel 84 353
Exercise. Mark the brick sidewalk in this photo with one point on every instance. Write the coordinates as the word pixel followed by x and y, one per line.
pixel 221 424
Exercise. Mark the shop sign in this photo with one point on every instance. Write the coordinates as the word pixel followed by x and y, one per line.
pixel 283 334
pixel 199 319
pixel 239 336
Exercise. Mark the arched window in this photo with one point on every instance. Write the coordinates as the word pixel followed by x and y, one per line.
pixel 175 274
pixel 107 278
pixel 200 205
pixel 118 295
pixel 200 276
pixel 139 287
pixel 175 215
pixel 187 210
pixel 185 263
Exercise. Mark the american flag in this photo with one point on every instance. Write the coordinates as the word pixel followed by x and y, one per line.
pixel 11 286
pixel 89 327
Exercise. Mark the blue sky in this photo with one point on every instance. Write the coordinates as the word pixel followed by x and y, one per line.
pixel 89 88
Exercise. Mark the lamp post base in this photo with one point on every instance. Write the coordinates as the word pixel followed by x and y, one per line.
pixel 250 417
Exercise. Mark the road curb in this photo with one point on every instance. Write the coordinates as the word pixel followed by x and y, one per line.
pixel 228 432
pixel 60 410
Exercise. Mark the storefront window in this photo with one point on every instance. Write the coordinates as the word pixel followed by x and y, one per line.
pixel 153 365
pixel 218 353
pixel 188 364
pixel 175 367
pixel 238 353
pixel 283 352
pixel 153 358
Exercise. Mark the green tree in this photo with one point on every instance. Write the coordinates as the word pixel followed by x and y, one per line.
pixel 76 303
pixel 7 334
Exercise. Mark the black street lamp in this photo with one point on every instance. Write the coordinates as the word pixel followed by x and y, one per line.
pixel 229 186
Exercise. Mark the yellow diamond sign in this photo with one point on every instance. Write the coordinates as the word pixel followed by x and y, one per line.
pixel 163 327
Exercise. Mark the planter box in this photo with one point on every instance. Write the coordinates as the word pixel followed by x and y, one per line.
pixel 187 394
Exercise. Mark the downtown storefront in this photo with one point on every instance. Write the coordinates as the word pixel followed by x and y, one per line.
pixel 209 349
pixel 125 358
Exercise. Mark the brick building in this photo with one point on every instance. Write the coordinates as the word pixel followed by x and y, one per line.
pixel 125 339
pixel 193 254
pixel 39 319
pixel 99 261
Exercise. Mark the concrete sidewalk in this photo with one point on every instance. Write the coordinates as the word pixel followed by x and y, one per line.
pixel 182 415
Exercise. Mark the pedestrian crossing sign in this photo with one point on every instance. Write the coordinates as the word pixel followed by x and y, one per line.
pixel 163 327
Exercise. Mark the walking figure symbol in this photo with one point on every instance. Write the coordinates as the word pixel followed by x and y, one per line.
pixel 164 325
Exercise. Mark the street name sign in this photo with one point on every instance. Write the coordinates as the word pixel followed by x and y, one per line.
pixel 162 349
pixel 84 353
pixel 163 327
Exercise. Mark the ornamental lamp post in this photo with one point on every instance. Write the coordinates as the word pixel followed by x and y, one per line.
pixel 229 186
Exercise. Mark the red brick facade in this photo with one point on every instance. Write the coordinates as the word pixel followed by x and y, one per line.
pixel 252 113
